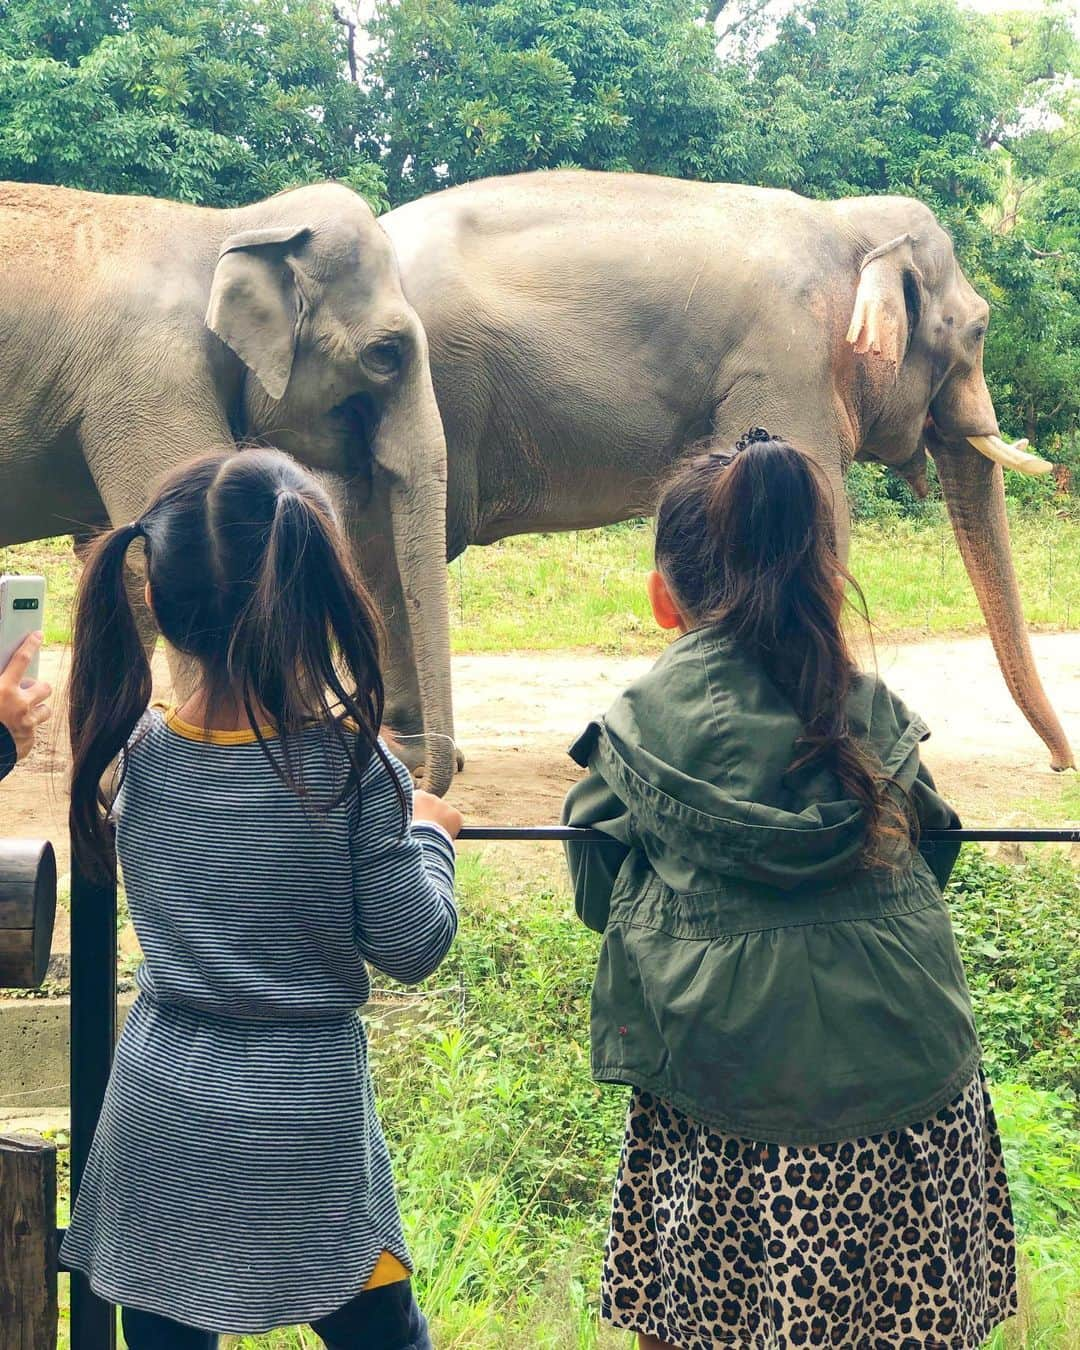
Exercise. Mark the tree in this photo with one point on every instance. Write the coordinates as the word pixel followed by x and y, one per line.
pixel 1026 260
pixel 217 101
pixel 870 96
pixel 467 88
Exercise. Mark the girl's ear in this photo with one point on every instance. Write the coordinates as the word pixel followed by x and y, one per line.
pixel 665 611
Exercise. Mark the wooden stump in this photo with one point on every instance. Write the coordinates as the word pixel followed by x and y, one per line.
pixel 27 911
pixel 27 1243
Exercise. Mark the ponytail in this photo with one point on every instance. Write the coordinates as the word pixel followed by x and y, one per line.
pixel 251 579
pixel 305 641
pixel 109 690
pixel 746 540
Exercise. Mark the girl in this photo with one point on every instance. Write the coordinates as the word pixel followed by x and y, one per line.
pixel 271 847
pixel 811 1157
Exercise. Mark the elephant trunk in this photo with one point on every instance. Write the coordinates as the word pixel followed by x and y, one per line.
pixel 410 450
pixel 975 496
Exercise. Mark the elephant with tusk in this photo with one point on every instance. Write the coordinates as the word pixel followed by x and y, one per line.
pixel 586 328
pixel 1010 456
pixel 135 334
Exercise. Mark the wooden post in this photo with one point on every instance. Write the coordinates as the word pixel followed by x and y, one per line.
pixel 27 910
pixel 27 1243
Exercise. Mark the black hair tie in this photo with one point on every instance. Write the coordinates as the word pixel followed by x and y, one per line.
pixel 755 436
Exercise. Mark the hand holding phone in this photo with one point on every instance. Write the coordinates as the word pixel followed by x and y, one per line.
pixel 22 698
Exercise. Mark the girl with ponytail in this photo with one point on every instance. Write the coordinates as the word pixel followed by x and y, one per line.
pixel 811 1156
pixel 271 848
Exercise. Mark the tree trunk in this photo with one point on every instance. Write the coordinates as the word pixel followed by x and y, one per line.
pixel 28 1309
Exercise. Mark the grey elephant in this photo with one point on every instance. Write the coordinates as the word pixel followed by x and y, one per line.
pixel 136 333
pixel 585 328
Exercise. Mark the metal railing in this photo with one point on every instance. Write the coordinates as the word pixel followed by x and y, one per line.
pixel 555 833
pixel 93 1010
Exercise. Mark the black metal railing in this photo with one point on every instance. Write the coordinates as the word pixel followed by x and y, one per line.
pixel 93 1010
pixel 552 833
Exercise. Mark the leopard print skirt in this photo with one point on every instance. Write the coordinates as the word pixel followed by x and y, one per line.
pixel 902 1241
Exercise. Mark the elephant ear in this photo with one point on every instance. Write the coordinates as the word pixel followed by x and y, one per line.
pixel 888 302
pixel 256 302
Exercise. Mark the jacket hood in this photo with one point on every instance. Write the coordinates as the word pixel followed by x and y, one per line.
pixel 699 751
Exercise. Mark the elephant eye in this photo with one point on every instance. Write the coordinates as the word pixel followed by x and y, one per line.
pixel 384 356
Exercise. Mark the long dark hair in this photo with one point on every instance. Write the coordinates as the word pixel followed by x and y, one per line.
pixel 250 577
pixel 746 541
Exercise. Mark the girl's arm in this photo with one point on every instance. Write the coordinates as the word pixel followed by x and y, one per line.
pixel 935 813
pixel 403 883
pixel 594 867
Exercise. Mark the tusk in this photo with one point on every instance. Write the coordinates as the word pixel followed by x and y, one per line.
pixel 1013 456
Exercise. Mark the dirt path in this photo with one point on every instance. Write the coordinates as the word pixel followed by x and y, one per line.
pixel 517 713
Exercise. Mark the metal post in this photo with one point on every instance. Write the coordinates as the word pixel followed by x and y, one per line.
pixel 93 1036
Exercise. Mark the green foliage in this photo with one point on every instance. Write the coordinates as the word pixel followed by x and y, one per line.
pixel 875 493
pixel 868 96
pixel 467 88
pixel 1019 934
pixel 1027 264
pixel 213 101
pixel 525 1138
pixel 1042 1156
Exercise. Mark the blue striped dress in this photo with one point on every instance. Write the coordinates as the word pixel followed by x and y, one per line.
pixel 239 1179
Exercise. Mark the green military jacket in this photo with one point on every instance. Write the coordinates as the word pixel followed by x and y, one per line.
pixel 754 971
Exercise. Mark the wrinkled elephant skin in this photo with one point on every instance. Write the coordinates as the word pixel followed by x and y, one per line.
pixel 585 328
pixel 138 333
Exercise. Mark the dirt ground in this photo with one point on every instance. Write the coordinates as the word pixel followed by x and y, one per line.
pixel 517 713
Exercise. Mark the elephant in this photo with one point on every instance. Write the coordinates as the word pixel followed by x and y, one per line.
pixel 136 333
pixel 586 328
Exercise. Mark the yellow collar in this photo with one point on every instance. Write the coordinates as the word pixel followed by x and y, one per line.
pixel 210 735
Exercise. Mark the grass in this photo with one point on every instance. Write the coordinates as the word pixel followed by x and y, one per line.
pixel 1027 991
pixel 54 560
pixel 1060 806
pixel 504 1149
pixel 557 592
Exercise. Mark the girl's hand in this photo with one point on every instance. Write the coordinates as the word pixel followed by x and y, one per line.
pixel 426 806
pixel 22 701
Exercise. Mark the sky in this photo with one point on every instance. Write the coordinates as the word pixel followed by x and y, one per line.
pixel 776 9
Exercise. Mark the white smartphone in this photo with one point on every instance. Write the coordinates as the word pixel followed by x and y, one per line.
pixel 22 612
